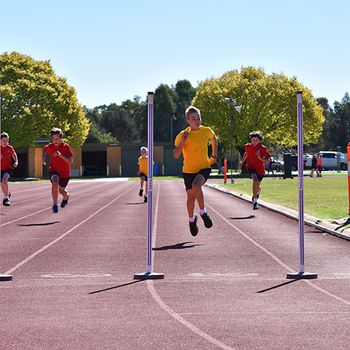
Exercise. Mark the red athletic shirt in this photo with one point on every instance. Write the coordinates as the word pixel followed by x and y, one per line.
pixel 253 162
pixel 6 157
pixel 57 164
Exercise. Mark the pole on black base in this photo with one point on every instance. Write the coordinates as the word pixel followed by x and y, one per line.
pixel 301 274
pixel 149 274
pixel 4 278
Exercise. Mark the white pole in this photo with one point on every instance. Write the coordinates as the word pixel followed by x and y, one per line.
pixel 149 274
pixel 301 274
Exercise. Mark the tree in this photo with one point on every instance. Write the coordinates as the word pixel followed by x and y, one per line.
pixel 34 99
pixel 96 133
pixel 268 104
pixel 183 94
pixel 164 109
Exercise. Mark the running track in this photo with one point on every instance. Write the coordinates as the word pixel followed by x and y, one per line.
pixel 73 284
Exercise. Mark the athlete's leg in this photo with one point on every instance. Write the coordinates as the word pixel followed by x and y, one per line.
pixel 54 188
pixel 4 184
pixel 191 197
pixel 63 192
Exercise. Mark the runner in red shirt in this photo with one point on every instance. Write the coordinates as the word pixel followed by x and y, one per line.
pixel 256 156
pixel 60 159
pixel 9 161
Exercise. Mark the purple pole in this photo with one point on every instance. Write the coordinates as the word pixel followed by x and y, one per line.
pixel 301 274
pixel 150 181
pixel 149 274
pixel 301 180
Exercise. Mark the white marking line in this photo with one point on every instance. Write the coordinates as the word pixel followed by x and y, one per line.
pixel 65 234
pixel 40 211
pixel 68 275
pixel 280 262
pixel 164 306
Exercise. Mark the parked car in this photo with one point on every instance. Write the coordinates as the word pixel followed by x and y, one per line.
pixel 329 160
pixel 275 164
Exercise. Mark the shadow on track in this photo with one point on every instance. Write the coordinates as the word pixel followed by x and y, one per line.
pixel 243 217
pixel 278 286
pixel 178 246
pixel 40 224
pixel 119 286
pixel 135 203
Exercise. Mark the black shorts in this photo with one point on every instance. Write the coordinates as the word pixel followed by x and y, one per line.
pixel 252 171
pixel 143 175
pixel 189 177
pixel 62 182
pixel 8 171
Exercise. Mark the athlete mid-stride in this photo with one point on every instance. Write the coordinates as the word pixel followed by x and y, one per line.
pixel 61 156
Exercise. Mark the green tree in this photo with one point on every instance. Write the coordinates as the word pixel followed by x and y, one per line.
pixel 183 94
pixel 34 99
pixel 96 133
pixel 164 110
pixel 268 104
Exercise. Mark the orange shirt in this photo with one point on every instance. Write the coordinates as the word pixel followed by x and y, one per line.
pixel 253 162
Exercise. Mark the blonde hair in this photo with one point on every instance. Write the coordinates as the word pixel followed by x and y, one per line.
pixel 192 109
pixel 143 149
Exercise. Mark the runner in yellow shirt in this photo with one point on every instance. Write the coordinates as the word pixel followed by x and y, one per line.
pixel 192 143
pixel 143 171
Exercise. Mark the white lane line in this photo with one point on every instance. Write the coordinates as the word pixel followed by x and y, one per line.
pixel 40 211
pixel 279 261
pixel 65 234
pixel 165 307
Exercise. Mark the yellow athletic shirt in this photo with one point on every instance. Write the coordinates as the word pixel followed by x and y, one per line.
pixel 143 165
pixel 195 150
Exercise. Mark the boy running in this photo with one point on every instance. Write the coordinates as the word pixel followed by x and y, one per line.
pixel 256 156
pixel 59 171
pixel 193 144
pixel 9 161
pixel 143 171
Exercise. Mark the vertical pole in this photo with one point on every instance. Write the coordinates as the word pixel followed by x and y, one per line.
pixel 225 171
pixel 301 179
pixel 301 274
pixel 231 143
pixel 150 181
pixel 348 149
pixel 3 277
pixel 149 274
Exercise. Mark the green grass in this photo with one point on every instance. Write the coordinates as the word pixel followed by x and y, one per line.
pixel 325 197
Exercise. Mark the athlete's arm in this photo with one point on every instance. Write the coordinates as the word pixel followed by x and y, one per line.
pixel 178 149
pixel 244 158
pixel 68 159
pixel 43 157
pixel 15 158
pixel 214 148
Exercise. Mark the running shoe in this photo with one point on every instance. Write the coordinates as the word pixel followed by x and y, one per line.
pixel 55 208
pixel 255 206
pixel 194 227
pixel 141 192
pixel 64 202
pixel 145 199
pixel 208 223
pixel 6 202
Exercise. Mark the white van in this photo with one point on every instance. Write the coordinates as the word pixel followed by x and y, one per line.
pixel 330 160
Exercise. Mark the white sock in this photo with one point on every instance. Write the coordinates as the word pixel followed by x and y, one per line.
pixel 255 199
pixel 202 211
pixel 191 219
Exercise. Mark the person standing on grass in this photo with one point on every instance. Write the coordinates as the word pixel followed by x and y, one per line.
pixel 192 143
pixel 143 171
pixel 60 158
pixel 256 155
pixel 8 162
pixel 319 165
pixel 313 166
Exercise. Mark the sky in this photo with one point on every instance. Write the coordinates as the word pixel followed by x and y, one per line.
pixel 113 50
